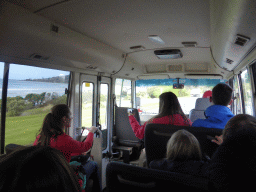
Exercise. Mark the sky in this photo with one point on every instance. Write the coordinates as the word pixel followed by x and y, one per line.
pixel 21 72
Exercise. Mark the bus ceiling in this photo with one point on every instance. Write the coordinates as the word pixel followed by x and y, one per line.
pixel 121 38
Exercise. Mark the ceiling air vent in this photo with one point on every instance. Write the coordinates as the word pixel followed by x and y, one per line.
pixel 168 54
pixel 241 40
pixel 91 67
pixel 229 61
pixel 189 44
pixel 38 56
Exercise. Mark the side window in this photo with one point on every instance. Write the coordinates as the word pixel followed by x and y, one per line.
pixel 247 92
pixel 32 92
pixel 123 92
pixel 87 105
pixel 237 99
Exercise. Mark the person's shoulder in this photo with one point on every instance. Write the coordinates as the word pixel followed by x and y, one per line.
pixel 64 137
pixel 199 123
pixel 158 164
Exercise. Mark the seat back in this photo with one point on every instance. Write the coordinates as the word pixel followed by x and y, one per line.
pixel 157 136
pixel 123 129
pixel 201 105
pixel 12 147
pixel 122 176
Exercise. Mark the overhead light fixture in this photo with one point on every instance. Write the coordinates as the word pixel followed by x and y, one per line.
pixel 156 39
pixel 168 54
pixel 189 44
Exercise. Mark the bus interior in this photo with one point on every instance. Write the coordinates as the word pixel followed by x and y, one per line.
pixel 103 58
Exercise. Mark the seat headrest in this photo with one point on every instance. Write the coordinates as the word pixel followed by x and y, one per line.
pixel 202 104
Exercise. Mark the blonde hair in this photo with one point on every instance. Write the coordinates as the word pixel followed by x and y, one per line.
pixel 183 146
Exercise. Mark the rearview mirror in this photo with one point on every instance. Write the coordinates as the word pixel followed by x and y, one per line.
pixel 178 86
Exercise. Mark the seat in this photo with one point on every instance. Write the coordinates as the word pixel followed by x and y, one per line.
pixel 125 139
pixel 157 136
pixel 201 105
pixel 12 147
pixel 121 176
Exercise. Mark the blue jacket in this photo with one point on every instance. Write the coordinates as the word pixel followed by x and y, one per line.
pixel 217 116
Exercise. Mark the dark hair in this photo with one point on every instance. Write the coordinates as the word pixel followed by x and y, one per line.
pixel 52 124
pixel 169 105
pixel 238 122
pixel 221 94
pixel 183 146
pixel 37 168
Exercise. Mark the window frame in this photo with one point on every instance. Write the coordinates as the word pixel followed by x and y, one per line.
pixel 242 90
pixel 5 94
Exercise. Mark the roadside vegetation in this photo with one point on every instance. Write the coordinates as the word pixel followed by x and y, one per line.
pixel 24 116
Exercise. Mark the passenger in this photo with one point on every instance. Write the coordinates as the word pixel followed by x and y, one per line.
pixel 37 168
pixel 52 135
pixel 207 94
pixel 234 125
pixel 217 115
pixel 233 165
pixel 183 155
pixel 170 112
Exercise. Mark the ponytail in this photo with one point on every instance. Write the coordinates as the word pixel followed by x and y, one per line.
pixel 48 130
pixel 52 125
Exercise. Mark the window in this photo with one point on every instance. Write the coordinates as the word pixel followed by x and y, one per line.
pixel 247 92
pixel 87 105
pixel 237 101
pixel 148 92
pixel 32 92
pixel 123 92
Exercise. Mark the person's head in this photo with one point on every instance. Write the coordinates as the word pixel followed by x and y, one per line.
pixel 54 123
pixel 238 122
pixel 221 94
pixel 37 168
pixel 207 94
pixel 183 146
pixel 169 105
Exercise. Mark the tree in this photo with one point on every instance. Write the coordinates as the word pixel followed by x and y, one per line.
pixel 15 106
pixel 41 98
pixel 31 97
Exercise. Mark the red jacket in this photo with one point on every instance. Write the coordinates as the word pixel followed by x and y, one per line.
pixel 68 146
pixel 140 130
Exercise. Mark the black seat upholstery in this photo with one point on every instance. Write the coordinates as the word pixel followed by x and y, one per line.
pixel 157 136
pixel 125 139
pixel 12 147
pixel 122 176
pixel 123 129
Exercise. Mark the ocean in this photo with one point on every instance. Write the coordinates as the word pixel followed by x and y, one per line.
pixel 22 88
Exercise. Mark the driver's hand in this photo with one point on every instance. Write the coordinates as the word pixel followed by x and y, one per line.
pixel 92 129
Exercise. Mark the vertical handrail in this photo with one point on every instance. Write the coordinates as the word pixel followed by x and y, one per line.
pixel 4 102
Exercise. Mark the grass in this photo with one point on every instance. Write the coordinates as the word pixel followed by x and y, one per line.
pixel 22 130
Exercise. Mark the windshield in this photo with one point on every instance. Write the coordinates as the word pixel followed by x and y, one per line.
pixel 148 91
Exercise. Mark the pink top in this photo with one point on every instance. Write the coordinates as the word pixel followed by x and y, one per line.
pixel 69 146
pixel 140 130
